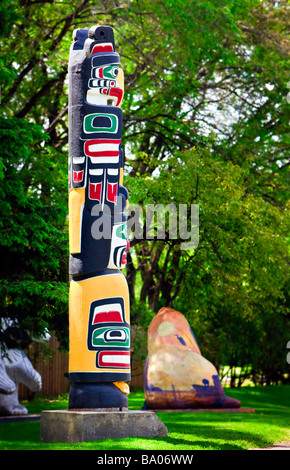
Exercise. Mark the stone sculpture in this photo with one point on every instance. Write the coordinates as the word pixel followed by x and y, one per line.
pixel 176 375
pixel 15 368
pixel 7 386
pixel 99 321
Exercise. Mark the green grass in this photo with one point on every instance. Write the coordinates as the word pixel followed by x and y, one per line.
pixel 186 431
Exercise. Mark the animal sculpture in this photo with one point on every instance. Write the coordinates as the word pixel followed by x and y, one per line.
pixel 15 368
pixel 176 375
pixel 7 386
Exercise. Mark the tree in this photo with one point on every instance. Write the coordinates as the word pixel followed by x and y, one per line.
pixel 205 122
pixel 33 237
pixel 235 282
pixel 33 274
pixel 226 96
pixel 219 93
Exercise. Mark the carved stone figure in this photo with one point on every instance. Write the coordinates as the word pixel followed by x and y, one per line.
pixel 7 386
pixel 176 375
pixel 15 368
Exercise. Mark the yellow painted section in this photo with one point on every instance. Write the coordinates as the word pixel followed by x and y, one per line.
pixel 121 174
pixel 76 201
pixel 82 294
pixel 120 81
pixel 123 386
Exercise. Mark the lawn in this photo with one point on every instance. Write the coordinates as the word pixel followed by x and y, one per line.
pixel 186 431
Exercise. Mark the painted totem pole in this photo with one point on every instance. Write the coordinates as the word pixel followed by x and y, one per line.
pixel 99 322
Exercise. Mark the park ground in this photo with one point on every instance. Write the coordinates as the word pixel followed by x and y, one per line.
pixel 187 431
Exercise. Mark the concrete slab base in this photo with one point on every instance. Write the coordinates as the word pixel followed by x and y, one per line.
pixel 18 419
pixel 92 425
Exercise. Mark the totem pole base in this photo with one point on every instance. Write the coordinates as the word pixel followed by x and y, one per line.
pixel 96 396
pixel 94 425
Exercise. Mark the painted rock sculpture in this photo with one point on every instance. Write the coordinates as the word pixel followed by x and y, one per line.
pixel 176 375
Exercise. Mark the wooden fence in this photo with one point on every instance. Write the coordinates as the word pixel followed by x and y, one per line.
pixel 53 366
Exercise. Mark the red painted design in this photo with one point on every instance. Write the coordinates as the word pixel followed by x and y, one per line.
pixel 78 176
pixel 102 48
pixel 95 191
pixel 108 317
pixel 112 192
pixel 100 152
pixel 114 359
pixel 118 93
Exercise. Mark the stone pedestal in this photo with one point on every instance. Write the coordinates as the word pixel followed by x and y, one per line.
pixel 91 425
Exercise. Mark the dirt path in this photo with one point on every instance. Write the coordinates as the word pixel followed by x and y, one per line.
pixel 284 445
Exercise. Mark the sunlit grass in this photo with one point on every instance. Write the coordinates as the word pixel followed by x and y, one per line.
pixel 186 431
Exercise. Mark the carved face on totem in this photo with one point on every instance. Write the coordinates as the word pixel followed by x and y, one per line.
pixel 106 83
pixel 119 246
pixel 109 333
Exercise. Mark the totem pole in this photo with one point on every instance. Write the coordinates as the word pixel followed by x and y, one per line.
pixel 99 321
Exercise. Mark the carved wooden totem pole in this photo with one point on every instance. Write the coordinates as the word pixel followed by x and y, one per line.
pixel 99 322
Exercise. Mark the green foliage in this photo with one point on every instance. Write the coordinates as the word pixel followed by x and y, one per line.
pixel 233 287
pixel 33 238
pixel 219 85
pixel 205 122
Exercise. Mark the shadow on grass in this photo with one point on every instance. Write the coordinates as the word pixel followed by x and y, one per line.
pixel 26 435
pixel 186 431
pixel 213 438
